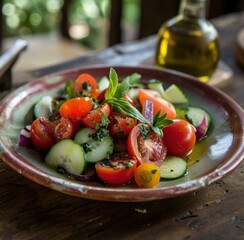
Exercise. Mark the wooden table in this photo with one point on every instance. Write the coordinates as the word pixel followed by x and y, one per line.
pixel 30 211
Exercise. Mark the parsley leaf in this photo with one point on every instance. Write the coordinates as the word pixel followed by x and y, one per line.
pixel 69 90
pixel 159 122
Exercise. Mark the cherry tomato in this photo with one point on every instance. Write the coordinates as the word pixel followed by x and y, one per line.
pixel 147 175
pixel 179 137
pixel 117 170
pixel 120 125
pixel 159 103
pixel 86 84
pixel 65 128
pixel 76 108
pixel 145 145
pixel 95 116
pixel 42 133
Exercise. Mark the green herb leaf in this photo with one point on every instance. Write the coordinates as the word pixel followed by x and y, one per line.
pixel 100 134
pixel 159 122
pixel 122 106
pixel 125 85
pixel 144 131
pixel 113 84
pixel 69 90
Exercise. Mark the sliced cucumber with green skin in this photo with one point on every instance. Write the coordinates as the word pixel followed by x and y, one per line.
pixel 200 119
pixel 96 150
pixel 44 107
pixel 156 85
pixel 173 167
pixel 103 83
pixel 68 155
pixel 175 95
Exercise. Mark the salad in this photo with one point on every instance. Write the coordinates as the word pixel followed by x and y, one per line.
pixel 116 131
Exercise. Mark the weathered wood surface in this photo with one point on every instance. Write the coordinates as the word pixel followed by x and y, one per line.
pixel 30 211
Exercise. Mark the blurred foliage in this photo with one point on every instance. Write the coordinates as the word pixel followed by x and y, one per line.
pixel 24 17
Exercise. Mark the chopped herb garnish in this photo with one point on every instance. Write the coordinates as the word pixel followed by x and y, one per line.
pixel 115 120
pixel 95 103
pixel 153 171
pixel 86 147
pixel 100 134
pixel 86 86
pixel 69 90
pixel 121 131
pixel 144 131
pixel 128 164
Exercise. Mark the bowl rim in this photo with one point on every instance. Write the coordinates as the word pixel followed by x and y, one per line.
pixel 71 187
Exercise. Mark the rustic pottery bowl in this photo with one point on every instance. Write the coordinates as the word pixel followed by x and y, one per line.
pixel 224 145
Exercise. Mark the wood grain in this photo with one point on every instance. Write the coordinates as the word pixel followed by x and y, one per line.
pixel 30 211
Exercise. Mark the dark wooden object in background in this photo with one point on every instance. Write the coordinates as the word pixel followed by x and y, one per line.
pixel 240 47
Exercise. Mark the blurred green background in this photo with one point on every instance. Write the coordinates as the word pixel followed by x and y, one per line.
pixel 88 19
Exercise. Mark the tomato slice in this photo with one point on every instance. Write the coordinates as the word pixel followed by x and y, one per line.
pixel 95 116
pixel 86 84
pixel 117 170
pixel 159 102
pixel 179 137
pixel 147 175
pixel 76 108
pixel 66 128
pixel 42 133
pixel 120 125
pixel 145 145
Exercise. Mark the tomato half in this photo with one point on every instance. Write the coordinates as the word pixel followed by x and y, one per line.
pixel 117 170
pixel 158 102
pixel 179 137
pixel 42 133
pixel 76 108
pixel 147 175
pixel 65 128
pixel 86 84
pixel 95 116
pixel 145 145
pixel 120 125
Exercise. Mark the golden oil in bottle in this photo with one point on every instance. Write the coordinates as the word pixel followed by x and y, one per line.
pixel 188 42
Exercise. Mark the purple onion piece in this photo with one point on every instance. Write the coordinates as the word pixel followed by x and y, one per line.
pixel 148 110
pixel 24 137
pixel 90 175
pixel 84 178
pixel 202 128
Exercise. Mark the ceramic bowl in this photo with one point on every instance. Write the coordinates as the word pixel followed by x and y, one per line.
pixel 224 145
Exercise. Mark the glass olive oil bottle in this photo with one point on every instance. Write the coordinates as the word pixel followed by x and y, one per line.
pixel 188 42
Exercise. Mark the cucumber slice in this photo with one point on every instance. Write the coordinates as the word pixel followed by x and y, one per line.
pixel 44 107
pixel 175 95
pixel 200 119
pixel 195 116
pixel 173 167
pixel 103 83
pixel 156 85
pixel 68 155
pixel 97 150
